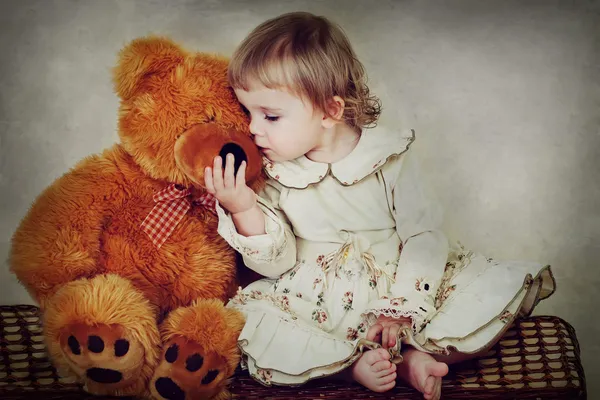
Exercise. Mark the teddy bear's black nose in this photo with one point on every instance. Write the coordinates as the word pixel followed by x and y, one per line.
pixel 238 154
pixel 169 389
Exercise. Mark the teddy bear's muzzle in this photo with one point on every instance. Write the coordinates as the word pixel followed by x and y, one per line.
pixel 197 148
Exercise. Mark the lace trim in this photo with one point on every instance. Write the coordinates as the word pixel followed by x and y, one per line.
pixel 370 317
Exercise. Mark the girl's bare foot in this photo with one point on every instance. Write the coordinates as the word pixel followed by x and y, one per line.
pixel 374 371
pixel 423 372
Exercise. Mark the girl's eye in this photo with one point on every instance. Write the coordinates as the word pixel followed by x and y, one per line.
pixel 271 118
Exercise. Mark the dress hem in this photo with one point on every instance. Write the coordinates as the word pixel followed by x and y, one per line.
pixel 410 340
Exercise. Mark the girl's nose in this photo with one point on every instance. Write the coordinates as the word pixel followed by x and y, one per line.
pixel 255 128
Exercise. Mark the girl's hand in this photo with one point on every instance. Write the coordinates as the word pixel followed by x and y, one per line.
pixel 386 329
pixel 231 191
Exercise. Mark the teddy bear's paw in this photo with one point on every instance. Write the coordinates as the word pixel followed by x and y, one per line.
pixel 102 355
pixel 104 332
pixel 187 371
pixel 200 352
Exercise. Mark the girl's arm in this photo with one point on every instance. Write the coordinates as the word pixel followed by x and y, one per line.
pixel 252 224
pixel 262 235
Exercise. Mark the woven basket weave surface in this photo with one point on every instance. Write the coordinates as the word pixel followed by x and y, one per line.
pixel 537 358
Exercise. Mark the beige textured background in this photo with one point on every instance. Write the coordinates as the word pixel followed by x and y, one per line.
pixel 504 96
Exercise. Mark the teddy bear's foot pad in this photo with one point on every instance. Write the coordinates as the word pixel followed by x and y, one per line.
pixel 187 371
pixel 104 357
pixel 104 333
pixel 102 352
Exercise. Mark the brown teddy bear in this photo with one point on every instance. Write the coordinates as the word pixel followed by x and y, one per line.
pixel 122 252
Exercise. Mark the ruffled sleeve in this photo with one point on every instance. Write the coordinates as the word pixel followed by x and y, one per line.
pixel 273 253
pixel 424 249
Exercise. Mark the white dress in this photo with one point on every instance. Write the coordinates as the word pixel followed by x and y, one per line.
pixel 350 241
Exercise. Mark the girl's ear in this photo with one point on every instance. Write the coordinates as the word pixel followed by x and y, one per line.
pixel 335 112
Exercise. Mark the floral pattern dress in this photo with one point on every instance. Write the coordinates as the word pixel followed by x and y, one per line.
pixel 350 241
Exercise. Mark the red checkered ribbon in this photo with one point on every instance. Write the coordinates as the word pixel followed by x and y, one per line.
pixel 208 201
pixel 172 205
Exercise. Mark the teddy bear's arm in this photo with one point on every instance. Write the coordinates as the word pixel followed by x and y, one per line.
pixel 58 240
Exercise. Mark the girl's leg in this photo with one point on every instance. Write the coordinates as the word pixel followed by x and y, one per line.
pixel 373 370
pixel 423 372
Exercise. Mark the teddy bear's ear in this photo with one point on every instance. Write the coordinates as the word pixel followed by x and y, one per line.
pixel 140 59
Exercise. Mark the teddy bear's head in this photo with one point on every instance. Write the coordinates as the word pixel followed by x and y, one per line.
pixel 178 112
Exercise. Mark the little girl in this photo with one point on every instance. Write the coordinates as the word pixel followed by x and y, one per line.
pixel 358 276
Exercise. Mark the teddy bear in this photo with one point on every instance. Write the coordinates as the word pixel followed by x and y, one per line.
pixel 122 252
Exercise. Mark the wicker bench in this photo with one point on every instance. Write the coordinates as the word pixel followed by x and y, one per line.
pixel 538 358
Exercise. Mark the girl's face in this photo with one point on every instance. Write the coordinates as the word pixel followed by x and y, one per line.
pixel 284 127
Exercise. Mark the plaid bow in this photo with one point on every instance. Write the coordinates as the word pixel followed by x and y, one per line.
pixel 172 205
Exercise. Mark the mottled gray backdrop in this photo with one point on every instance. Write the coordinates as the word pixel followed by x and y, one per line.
pixel 504 97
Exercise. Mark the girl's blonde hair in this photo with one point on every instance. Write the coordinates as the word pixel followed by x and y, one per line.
pixel 311 57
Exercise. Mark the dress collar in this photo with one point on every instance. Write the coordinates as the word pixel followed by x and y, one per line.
pixel 375 147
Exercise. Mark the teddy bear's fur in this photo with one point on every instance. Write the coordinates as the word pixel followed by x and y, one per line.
pixel 123 314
